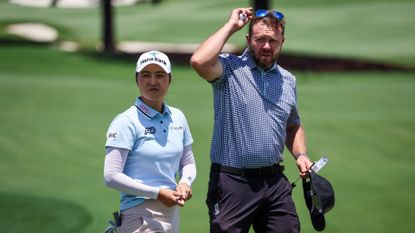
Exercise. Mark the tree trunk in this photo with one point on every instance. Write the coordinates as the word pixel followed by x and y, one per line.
pixel 261 4
pixel 108 37
pixel 54 3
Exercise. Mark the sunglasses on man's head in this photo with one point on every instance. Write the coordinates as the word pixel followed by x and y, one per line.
pixel 262 13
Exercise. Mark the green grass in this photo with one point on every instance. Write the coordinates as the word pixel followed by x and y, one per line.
pixel 57 106
pixel 375 29
pixel 26 213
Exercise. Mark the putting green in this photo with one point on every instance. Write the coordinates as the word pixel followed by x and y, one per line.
pixel 25 213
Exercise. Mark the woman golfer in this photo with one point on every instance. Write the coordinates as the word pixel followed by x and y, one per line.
pixel 147 145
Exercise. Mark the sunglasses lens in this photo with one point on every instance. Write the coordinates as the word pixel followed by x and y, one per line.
pixel 262 13
pixel 278 15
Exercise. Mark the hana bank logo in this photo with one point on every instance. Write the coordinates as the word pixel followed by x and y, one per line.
pixel 154 58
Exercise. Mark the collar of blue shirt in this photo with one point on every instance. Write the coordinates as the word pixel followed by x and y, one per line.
pixel 149 111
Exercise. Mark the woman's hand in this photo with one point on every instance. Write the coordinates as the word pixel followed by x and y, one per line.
pixel 184 190
pixel 170 197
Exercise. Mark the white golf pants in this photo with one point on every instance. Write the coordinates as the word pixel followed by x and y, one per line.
pixel 151 216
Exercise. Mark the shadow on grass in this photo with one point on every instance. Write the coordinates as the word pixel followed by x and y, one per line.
pixel 299 62
pixel 294 61
pixel 25 213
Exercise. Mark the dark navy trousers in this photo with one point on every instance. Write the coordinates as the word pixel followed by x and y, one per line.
pixel 238 201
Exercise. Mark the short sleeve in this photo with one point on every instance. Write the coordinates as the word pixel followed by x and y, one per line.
pixel 187 137
pixel 294 118
pixel 218 83
pixel 121 133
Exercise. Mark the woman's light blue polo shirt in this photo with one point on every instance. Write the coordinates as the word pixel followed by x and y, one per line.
pixel 155 142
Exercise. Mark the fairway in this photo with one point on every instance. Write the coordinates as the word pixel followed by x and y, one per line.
pixel 46 215
pixel 373 29
pixel 56 108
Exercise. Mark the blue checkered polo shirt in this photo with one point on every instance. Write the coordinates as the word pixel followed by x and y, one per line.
pixel 252 109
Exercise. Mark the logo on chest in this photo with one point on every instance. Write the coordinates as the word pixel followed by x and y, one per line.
pixel 180 128
pixel 150 130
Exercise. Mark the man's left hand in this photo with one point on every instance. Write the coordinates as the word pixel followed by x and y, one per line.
pixel 303 164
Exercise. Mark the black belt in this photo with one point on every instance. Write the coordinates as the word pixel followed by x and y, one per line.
pixel 262 171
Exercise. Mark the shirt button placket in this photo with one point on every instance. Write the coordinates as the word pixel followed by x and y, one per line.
pixel 164 130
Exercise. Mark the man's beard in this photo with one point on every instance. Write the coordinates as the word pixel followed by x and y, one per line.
pixel 258 62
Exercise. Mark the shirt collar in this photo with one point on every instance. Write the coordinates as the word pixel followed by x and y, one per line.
pixel 149 111
pixel 246 56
